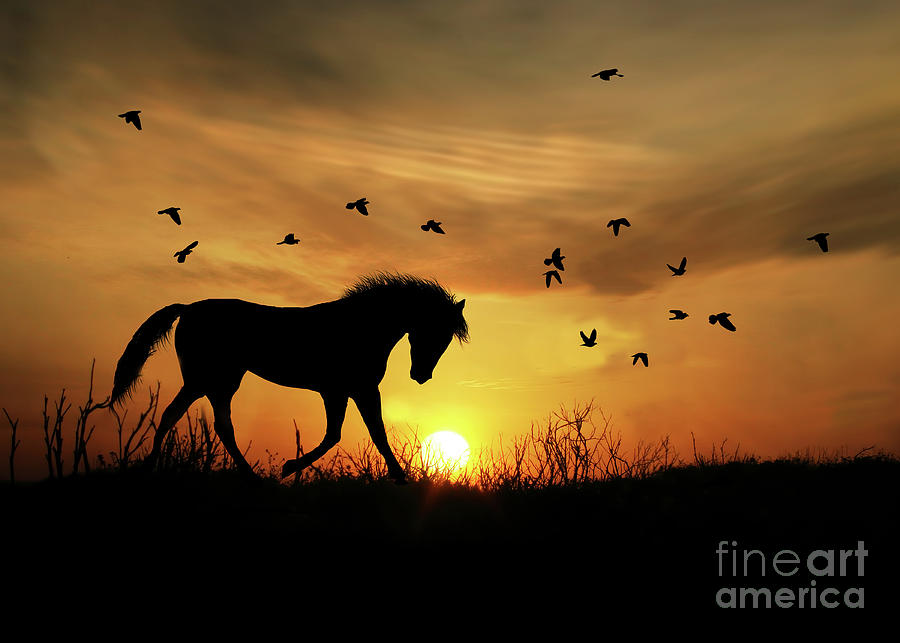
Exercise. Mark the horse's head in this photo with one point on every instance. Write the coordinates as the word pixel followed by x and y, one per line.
pixel 430 338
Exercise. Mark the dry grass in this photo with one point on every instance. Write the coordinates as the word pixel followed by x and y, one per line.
pixel 570 448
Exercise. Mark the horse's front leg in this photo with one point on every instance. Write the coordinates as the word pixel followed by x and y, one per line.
pixel 335 409
pixel 369 404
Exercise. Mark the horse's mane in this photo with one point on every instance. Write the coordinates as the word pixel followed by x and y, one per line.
pixel 397 287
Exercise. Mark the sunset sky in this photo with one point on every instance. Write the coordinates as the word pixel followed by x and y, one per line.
pixel 738 130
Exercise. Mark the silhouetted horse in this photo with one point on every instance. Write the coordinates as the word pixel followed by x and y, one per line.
pixel 338 348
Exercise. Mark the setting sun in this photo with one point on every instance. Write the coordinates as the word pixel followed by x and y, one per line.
pixel 445 451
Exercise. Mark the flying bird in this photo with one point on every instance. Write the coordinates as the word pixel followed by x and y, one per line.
pixel 289 239
pixel 132 117
pixel 550 274
pixel 589 341
pixel 821 240
pixel 616 223
pixel 182 255
pixel 607 73
pixel 172 212
pixel 723 320
pixel 359 204
pixel 639 356
pixel 680 269
pixel 555 259
pixel 433 225
pixel 677 314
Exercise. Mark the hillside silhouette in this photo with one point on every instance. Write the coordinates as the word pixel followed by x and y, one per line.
pixel 643 524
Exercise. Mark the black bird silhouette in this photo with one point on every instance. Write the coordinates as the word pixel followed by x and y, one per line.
pixel 289 239
pixel 182 254
pixel 723 320
pixel 616 223
pixel 132 117
pixel 821 240
pixel 550 274
pixel 359 204
pixel 555 259
pixel 589 341
pixel 639 356
pixel 172 212
pixel 607 73
pixel 680 269
pixel 433 225
pixel 677 314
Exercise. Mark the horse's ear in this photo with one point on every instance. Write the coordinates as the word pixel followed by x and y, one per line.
pixel 461 305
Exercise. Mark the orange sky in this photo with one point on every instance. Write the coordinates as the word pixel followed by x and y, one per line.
pixel 738 130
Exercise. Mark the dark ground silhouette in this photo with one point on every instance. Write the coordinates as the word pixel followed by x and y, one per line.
pixel 643 545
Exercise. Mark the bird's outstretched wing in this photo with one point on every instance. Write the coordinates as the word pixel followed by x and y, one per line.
pixel 556 259
pixel 175 217
pixel 644 359
pixel 672 268
pixel 683 263
pixel 584 337
pixel 362 208
pixel 726 323
pixel 625 223
pixel 823 243
pixel 136 119
pixel 192 246
pixel 594 335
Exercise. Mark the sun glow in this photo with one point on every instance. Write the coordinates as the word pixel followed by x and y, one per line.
pixel 445 451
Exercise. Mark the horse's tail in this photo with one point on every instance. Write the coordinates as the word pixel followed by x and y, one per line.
pixel 148 337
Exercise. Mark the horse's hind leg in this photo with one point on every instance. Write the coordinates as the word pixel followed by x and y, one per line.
pixel 177 407
pixel 369 405
pixel 221 405
pixel 335 409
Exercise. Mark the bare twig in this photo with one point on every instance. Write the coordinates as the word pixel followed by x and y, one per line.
pixel 14 444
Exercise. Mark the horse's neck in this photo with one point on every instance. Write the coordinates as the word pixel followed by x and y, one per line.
pixel 385 321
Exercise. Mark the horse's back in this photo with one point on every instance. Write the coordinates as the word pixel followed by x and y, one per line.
pixel 290 346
